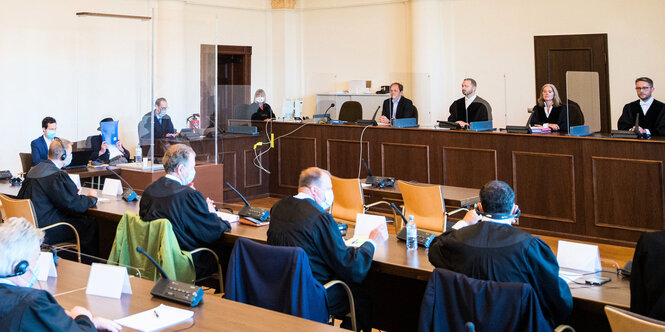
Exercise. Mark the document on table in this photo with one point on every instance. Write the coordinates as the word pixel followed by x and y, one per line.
pixel 155 319
pixel 365 223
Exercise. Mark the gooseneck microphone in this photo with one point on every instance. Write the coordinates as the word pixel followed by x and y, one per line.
pixel 237 192
pixel 161 271
pixel 392 205
pixel 376 112
pixel 128 194
pixel 325 114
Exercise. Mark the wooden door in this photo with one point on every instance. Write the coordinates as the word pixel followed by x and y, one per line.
pixel 555 55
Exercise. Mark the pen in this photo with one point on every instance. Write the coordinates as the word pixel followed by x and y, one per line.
pixel 156 314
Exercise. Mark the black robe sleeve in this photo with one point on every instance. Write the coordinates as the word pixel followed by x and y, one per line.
pixel 553 292
pixel 43 313
pixel 63 193
pixel 202 224
pixel 647 290
pixel 627 119
pixel 349 263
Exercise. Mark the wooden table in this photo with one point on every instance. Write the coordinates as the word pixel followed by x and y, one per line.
pixel 215 314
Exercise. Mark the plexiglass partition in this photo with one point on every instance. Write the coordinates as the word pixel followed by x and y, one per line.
pixel 583 99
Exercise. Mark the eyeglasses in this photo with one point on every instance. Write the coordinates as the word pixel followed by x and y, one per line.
pixel 642 88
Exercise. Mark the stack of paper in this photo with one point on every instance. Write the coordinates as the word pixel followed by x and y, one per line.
pixel 155 319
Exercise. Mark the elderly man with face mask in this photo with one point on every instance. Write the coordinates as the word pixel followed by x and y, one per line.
pixel 302 221
pixel 23 308
pixel 193 217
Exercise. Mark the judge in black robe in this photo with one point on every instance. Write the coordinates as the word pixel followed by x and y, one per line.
pixel 647 279
pixel 56 199
pixel 263 111
pixel 477 110
pixel 299 221
pixel 28 309
pixel 188 211
pixel 558 115
pixel 654 120
pixel 494 250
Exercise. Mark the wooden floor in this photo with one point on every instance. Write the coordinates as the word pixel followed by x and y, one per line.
pixel 612 256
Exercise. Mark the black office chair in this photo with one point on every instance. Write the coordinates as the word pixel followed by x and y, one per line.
pixel 415 112
pixel 351 111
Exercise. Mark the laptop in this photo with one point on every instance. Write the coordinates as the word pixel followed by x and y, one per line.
pixel 79 159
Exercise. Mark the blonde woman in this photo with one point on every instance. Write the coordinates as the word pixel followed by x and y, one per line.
pixel 549 111
pixel 263 110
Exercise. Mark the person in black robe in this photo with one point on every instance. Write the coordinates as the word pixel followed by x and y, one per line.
pixel 302 221
pixel 650 111
pixel 647 286
pixel 194 219
pixel 56 198
pixel 102 152
pixel 404 105
pixel 490 248
pixel 478 109
pixel 263 111
pixel 549 111
pixel 23 308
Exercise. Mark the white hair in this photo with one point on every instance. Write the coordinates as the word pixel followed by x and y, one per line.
pixel 19 239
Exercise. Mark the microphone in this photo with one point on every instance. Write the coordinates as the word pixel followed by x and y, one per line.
pixel 141 251
pixel 392 205
pixel 424 239
pixel 637 127
pixel 237 192
pixel 128 194
pixel 326 117
pixel 375 112
pixel 369 171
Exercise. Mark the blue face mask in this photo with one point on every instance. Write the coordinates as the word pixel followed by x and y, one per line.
pixel 68 160
pixel 190 178
pixel 50 134
pixel 33 280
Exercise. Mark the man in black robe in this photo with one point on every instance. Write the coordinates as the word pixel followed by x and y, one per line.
pixel 402 107
pixel 302 221
pixel 490 248
pixel 471 107
pixel 56 198
pixel 194 218
pixel 650 111
pixel 647 289
pixel 23 308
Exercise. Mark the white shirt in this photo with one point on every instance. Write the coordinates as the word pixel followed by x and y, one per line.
pixel 302 195
pixel 48 142
pixel 548 110
pixel 394 116
pixel 462 223
pixel 469 100
pixel 113 151
pixel 646 104
pixel 173 177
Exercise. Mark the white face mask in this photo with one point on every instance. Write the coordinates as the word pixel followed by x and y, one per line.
pixel 189 178
pixel 260 100
pixel 329 199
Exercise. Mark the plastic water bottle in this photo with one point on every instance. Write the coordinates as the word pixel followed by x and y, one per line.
pixel 411 234
pixel 138 157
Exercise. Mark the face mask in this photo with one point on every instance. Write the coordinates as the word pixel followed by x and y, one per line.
pixel 68 160
pixel 33 280
pixel 190 178
pixel 50 134
pixel 330 197
pixel 260 99
pixel 162 112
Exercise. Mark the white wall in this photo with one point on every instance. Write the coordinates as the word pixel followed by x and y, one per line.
pixel 82 69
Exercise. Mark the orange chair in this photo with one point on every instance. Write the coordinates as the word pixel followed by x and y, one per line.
pixel 23 208
pixel 349 200
pixel 425 203
pixel 624 320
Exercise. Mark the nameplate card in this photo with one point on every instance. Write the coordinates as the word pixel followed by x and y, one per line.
pixel 108 281
pixel 112 187
pixel 578 256
pixel 46 266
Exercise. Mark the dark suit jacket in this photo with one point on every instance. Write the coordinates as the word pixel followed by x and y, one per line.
pixel 28 309
pixel 161 129
pixel 500 252
pixel 654 120
pixel 96 143
pixel 647 279
pixel 262 114
pixel 558 115
pixel 404 109
pixel 477 111
pixel 39 150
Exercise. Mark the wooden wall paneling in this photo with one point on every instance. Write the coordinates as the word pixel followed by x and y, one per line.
pixel 408 162
pixel 253 175
pixel 544 185
pixel 628 194
pixel 468 167
pixel 230 159
pixel 343 157
pixel 293 155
